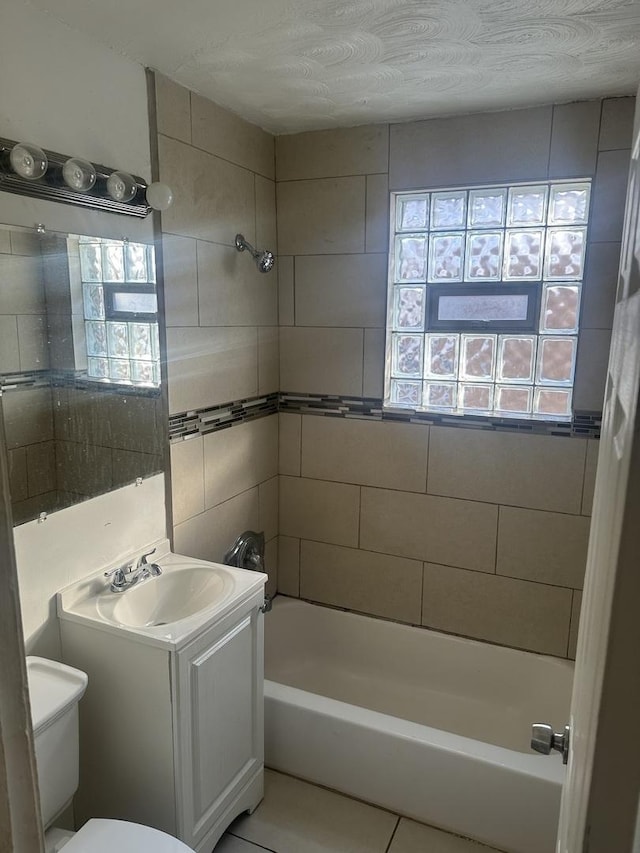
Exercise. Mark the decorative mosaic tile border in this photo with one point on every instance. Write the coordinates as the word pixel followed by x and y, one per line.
pixel 26 379
pixel 215 418
pixel 202 421
pixel 583 425
pixel 69 379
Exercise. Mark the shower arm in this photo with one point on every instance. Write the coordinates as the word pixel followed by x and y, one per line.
pixel 242 244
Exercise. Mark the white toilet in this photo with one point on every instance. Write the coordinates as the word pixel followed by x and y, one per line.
pixel 55 690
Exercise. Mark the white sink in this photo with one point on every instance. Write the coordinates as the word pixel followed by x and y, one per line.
pixel 169 609
pixel 168 598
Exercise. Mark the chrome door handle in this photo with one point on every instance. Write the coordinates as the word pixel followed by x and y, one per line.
pixel 544 739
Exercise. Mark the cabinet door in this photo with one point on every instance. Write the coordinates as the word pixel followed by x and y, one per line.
pixel 220 721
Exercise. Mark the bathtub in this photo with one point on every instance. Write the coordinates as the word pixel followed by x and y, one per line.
pixel 427 725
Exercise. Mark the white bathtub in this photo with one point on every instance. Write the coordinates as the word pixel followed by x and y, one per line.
pixel 428 725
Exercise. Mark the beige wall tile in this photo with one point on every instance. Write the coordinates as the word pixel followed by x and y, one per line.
pixel 41 468
pixel 239 458
pixel 318 217
pixel 9 351
pixel 535 471
pixel 502 610
pixel 28 416
pixel 83 468
pixel 617 123
pixel 591 369
pixel 18 481
pixel 32 342
pixel 601 281
pixel 547 547
pixel 361 580
pixel 216 198
pixel 187 478
pixel 209 366
pixel 209 536
pixel 226 135
pixel 574 139
pixel 341 290
pixel 173 104
pixel 373 378
pixel 290 431
pixel 5 241
pixel 271 566
pixel 180 270
pixel 576 606
pixel 505 146
pixel 26 242
pixel 289 566
pixel 321 361
pixel 423 527
pixel 370 453
pixel 590 468
pixel 333 153
pixel 268 359
pixel 609 195
pixel 268 507
pixel 377 214
pixel 266 231
pixel 26 293
pixel 231 290
pixel 286 305
pixel 324 512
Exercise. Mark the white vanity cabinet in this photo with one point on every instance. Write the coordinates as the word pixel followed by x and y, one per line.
pixel 220 731
pixel 171 734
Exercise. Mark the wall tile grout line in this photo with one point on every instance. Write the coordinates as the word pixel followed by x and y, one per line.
pixel 217 156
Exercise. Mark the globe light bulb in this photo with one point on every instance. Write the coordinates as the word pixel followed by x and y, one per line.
pixel 159 196
pixel 121 186
pixel 28 161
pixel 79 174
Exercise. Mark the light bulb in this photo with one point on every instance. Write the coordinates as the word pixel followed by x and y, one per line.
pixel 159 196
pixel 28 161
pixel 121 186
pixel 79 174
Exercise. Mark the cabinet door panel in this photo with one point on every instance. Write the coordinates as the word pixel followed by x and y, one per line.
pixel 222 715
pixel 219 705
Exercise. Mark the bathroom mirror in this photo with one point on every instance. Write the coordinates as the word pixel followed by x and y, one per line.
pixel 79 367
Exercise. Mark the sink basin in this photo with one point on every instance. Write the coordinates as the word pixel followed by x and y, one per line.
pixel 167 598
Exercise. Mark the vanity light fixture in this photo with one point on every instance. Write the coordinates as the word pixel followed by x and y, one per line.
pixel 28 161
pixel 79 175
pixel 28 170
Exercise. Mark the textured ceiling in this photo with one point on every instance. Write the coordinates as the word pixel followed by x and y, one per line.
pixel 291 65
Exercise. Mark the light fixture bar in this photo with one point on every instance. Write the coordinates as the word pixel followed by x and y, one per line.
pixel 51 186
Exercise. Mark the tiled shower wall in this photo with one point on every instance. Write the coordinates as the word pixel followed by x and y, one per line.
pixel 481 533
pixel 221 317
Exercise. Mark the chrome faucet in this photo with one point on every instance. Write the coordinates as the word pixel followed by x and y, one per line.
pixel 130 574
pixel 247 552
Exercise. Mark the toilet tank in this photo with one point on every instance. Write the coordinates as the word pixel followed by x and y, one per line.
pixel 54 691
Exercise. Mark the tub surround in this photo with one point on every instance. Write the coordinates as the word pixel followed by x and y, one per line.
pixel 472 531
pixel 222 318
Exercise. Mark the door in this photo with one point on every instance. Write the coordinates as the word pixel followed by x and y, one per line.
pixel 600 796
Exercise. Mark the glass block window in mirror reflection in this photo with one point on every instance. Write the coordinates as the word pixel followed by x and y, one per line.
pixel 485 291
pixel 120 310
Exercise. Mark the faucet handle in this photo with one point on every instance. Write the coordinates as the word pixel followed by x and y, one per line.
pixel 119 573
pixel 143 559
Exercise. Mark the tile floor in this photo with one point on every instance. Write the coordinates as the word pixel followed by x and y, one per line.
pixel 296 817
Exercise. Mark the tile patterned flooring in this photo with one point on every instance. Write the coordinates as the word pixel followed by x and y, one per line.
pixel 296 817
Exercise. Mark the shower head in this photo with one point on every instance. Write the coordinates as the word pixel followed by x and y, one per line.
pixel 264 260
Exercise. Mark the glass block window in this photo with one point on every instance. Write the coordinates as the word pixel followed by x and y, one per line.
pixel 120 311
pixel 484 299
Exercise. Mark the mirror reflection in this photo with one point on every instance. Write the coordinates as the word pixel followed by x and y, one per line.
pixel 79 367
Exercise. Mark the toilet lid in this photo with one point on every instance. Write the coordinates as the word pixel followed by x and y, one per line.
pixel 107 836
